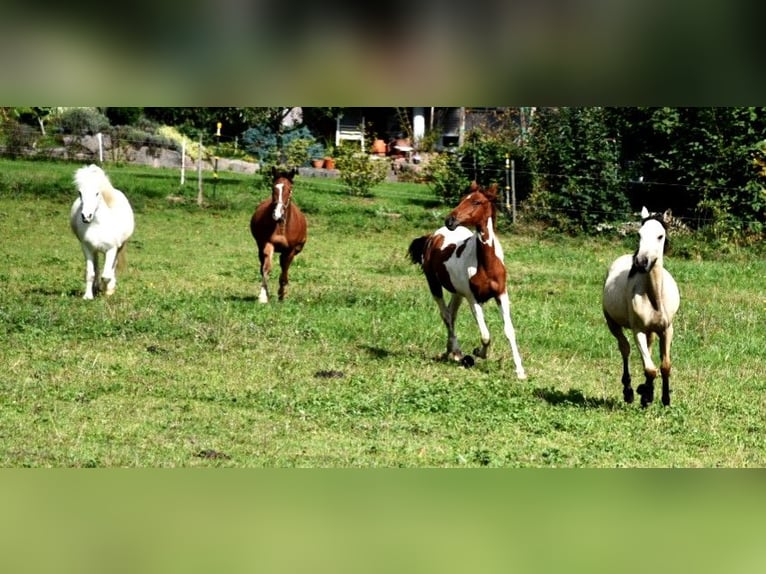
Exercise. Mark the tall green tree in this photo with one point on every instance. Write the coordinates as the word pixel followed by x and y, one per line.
pixel 575 156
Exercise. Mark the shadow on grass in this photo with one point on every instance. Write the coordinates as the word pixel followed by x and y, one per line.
pixel 426 203
pixel 376 352
pixel 49 292
pixel 241 298
pixel 575 398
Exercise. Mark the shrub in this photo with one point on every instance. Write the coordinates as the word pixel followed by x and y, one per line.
pixel 298 146
pixel 445 176
pixel 82 121
pixel 123 116
pixel 359 171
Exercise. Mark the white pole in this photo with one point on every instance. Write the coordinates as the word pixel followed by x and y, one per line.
pixel 100 138
pixel 183 161
pixel 199 172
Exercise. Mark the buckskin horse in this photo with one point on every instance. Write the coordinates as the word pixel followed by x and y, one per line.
pixel 465 258
pixel 641 295
pixel 278 225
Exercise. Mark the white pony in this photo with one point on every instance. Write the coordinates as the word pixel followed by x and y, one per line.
pixel 102 219
pixel 640 295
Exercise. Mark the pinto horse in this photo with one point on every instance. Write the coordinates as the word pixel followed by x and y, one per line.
pixel 465 258
pixel 278 225
pixel 641 295
pixel 102 219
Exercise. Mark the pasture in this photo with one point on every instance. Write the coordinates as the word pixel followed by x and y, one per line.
pixel 183 367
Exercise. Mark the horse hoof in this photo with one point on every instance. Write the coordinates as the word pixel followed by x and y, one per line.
pixel 522 376
pixel 647 394
pixel 666 400
pixel 467 361
pixel 627 394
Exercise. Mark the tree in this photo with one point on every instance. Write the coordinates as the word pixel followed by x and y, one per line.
pixel 575 159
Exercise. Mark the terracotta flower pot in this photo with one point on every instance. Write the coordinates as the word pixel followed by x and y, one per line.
pixel 317 163
pixel 329 163
pixel 379 147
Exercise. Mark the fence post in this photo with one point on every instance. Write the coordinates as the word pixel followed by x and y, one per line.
pixel 199 172
pixel 507 182
pixel 183 160
pixel 513 189
pixel 100 138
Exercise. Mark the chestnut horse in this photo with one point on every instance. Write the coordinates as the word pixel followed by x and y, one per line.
pixel 640 295
pixel 278 225
pixel 465 258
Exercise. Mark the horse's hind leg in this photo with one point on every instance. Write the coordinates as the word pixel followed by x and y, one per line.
pixel 108 276
pixel 448 314
pixel 265 255
pixel 665 340
pixel 624 346
pixel 285 259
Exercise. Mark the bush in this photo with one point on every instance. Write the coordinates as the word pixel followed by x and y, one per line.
pixel 481 158
pixel 359 171
pixel 445 176
pixel 298 146
pixel 123 116
pixel 578 185
pixel 82 121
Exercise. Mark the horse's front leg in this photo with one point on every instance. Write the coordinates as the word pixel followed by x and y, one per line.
pixel 108 275
pixel 91 268
pixel 665 340
pixel 285 259
pixel 646 389
pixel 478 315
pixel 504 303
pixel 265 256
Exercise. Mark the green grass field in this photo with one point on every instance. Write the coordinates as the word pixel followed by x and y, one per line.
pixel 183 367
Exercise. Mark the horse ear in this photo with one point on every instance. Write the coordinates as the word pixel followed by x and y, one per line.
pixel 667 216
pixel 274 171
pixel 644 212
pixel 491 192
pixel 292 173
pixel 474 186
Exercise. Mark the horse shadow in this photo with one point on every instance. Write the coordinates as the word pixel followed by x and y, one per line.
pixel 574 397
pixel 241 298
pixel 376 352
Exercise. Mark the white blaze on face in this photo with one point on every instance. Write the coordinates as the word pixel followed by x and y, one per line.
pixel 279 210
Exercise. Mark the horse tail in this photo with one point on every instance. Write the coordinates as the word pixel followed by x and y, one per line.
pixel 122 257
pixel 417 249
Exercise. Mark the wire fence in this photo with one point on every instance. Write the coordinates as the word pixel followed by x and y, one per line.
pixel 205 154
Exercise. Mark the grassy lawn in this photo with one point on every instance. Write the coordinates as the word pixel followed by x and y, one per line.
pixel 183 367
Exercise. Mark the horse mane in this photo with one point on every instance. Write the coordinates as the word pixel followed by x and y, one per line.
pixel 93 177
pixel 107 193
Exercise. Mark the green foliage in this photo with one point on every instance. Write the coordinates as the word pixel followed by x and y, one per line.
pixel 575 159
pixel 81 121
pixel 482 158
pixel 359 171
pixel 123 116
pixel 445 177
pixel 298 145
